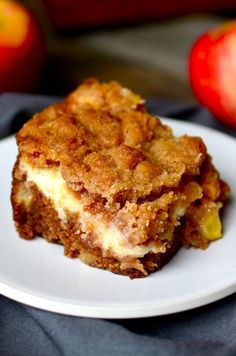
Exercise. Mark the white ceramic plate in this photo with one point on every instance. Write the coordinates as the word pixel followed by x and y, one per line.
pixel 36 272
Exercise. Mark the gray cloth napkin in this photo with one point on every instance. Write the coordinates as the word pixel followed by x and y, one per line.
pixel 24 330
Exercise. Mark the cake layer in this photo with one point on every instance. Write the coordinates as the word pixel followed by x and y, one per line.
pixel 35 214
pixel 107 235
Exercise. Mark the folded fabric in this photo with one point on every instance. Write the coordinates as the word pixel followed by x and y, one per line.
pixel 24 330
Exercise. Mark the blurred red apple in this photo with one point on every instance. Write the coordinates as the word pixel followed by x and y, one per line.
pixel 212 71
pixel 22 48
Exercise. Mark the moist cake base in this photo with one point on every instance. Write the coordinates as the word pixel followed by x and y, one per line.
pixel 41 219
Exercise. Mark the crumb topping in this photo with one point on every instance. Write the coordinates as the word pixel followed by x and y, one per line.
pixel 105 143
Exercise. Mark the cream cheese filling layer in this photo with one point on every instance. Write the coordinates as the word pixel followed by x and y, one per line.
pixel 53 186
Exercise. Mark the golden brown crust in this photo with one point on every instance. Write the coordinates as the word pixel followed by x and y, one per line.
pixel 107 146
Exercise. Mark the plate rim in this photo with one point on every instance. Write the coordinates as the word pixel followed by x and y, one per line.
pixel 113 312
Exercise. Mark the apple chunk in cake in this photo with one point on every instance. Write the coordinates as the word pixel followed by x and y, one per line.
pixel 100 175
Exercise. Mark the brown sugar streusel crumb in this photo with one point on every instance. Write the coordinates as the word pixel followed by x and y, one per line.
pixel 129 173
